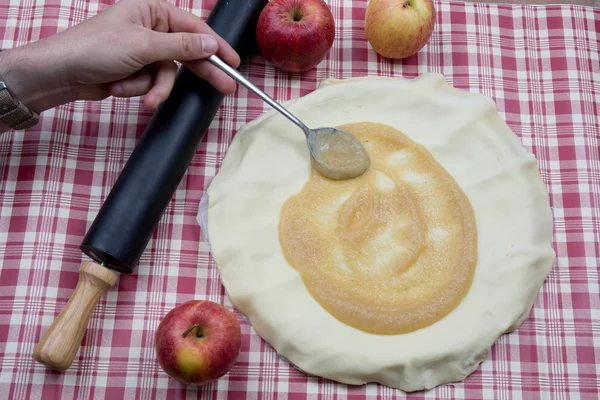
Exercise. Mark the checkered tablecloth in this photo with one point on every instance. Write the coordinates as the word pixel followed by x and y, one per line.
pixel 541 66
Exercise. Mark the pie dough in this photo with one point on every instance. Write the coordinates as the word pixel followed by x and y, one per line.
pixel 268 162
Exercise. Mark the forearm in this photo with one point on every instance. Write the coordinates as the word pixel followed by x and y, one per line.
pixel 30 73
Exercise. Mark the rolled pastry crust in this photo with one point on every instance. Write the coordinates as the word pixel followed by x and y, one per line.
pixel 267 162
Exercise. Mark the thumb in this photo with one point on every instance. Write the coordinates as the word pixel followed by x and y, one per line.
pixel 181 46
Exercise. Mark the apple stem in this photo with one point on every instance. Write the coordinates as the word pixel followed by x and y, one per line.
pixel 406 4
pixel 191 329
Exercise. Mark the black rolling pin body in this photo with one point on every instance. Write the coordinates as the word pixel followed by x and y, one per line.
pixel 125 223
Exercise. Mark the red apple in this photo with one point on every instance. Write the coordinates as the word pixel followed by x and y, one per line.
pixel 399 28
pixel 198 342
pixel 295 35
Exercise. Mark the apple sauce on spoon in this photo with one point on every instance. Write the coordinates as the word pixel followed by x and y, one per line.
pixel 337 154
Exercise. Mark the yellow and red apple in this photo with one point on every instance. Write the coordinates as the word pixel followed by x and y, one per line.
pixel 295 35
pixel 198 342
pixel 399 28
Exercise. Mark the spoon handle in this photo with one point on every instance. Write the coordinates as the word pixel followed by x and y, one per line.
pixel 223 66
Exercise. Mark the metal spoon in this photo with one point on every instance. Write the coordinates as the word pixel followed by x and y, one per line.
pixel 335 154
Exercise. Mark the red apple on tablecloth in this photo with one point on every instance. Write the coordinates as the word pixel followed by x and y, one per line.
pixel 295 35
pixel 399 28
pixel 198 342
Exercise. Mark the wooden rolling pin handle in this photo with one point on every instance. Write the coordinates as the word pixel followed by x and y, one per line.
pixel 58 346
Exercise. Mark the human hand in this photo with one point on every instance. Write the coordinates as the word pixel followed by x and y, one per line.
pixel 126 50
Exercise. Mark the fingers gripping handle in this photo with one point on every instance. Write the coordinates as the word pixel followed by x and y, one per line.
pixel 58 346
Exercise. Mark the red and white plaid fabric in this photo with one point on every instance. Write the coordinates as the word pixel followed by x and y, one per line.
pixel 539 63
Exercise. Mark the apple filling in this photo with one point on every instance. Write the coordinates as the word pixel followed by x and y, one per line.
pixel 391 251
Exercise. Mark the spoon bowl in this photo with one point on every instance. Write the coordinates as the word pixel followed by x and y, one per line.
pixel 334 153
pixel 337 154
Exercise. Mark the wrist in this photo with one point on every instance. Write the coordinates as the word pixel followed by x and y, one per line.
pixel 34 77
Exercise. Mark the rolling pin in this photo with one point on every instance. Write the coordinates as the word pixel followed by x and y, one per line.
pixel 126 221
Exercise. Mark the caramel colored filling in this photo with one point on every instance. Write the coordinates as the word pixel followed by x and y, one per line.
pixel 391 251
